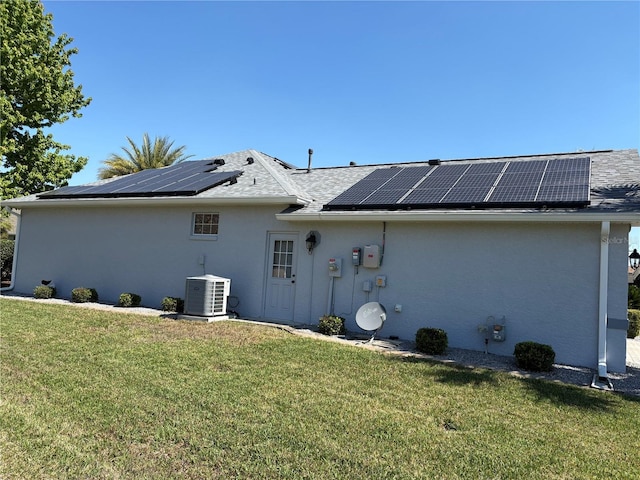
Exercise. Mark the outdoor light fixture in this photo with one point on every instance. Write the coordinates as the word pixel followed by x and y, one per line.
pixel 311 242
pixel 634 259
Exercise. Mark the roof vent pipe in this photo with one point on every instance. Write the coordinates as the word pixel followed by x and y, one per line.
pixel 309 166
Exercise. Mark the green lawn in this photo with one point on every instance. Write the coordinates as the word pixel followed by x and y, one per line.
pixel 94 394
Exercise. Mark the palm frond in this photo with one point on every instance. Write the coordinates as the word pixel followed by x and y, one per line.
pixel 137 158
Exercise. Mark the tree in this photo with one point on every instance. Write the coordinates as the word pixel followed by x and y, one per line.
pixel 634 297
pixel 37 92
pixel 137 158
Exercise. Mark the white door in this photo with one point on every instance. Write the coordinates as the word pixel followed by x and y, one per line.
pixel 281 276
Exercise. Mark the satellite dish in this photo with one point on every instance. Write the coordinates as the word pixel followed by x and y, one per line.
pixel 371 316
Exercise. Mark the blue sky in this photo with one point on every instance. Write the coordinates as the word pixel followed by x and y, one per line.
pixel 369 82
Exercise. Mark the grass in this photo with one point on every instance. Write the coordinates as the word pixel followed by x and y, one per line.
pixel 94 394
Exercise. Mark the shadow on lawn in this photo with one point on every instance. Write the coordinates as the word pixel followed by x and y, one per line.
pixel 545 390
pixel 569 395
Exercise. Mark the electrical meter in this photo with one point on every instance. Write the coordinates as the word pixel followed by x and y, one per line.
pixel 335 267
pixel 356 256
pixel 498 333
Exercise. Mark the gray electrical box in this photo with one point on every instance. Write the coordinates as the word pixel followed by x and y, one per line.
pixel 498 333
pixel 371 257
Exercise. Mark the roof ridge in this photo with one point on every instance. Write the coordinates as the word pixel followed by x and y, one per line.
pixel 290 187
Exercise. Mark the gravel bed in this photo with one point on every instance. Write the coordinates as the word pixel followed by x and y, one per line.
pixel 626 383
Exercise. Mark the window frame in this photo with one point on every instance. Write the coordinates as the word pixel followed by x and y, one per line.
pixel 204 236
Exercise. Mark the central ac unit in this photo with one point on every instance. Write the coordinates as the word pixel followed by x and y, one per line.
pixel 206 295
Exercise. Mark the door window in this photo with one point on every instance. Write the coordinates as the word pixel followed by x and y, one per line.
pixel 282 259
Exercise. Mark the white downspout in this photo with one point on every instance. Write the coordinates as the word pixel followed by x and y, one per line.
pixel 602 310
pixel 15 250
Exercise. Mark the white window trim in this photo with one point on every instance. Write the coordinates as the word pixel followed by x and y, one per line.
pixel 202 236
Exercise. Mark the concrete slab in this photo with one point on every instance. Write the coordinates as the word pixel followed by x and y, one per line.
pixel 633 352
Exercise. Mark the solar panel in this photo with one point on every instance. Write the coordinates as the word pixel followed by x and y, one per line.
pixel 520 179
pixel 517 183
pixel 384 197
pixel 422 197
pixel 436 181
pixel 526 166
pixel 564 178
pixel 514 194
pixel 198 184
pixel 187 178
pixel 477 181
pixel 552 194
pixel 449 170
pixel 570 164
pixel 362 190
pixel 485 168
pixel 350 197
pixel 471 196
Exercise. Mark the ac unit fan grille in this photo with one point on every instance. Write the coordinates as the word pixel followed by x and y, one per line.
pixel 206 295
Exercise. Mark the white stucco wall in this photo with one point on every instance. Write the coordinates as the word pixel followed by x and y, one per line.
pixel 542 277
pixel 148 251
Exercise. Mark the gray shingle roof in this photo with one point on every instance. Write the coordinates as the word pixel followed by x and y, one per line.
pixel 615 183
pixel 615 179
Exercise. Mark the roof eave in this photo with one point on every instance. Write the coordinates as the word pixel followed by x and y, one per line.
pixel 154 201
pixel 632 218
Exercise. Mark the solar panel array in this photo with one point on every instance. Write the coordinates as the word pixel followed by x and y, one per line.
pixel 501 184
pixel 187 178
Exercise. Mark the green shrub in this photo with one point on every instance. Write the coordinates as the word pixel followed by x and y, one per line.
pixel 83 295
pixel 129 300
pixel 6 257
pixel 634 324
pixel 432 341
pixel 44 291
pixel 533 356
pixel 633 297
pixel 172 304
pixel 331 325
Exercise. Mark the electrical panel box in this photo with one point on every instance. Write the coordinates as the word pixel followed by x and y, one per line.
pixel 335 267
pixel 498 333
pixel 366 286
pixel 356 256
pixel 371 257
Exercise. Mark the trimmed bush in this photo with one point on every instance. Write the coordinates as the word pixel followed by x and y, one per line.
pixel 331 325
pixel 432 341
pixel 535 357
pixel 634 324
pixel 633 297
pixel 6 257
pixel 172 304
pixel 129 300
pixel 44 291
pixel 84 295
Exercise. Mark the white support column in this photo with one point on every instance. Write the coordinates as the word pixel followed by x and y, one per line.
pixel 604 289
